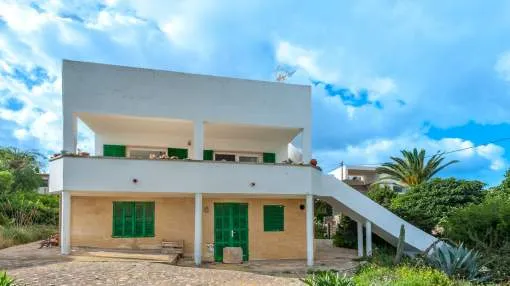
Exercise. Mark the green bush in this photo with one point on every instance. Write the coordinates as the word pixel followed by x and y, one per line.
pixel 346 234
pixel 486 228
pixel 401 275
pixel 382 195
pixel 327 278
pixel 429 203
pixel 14 235
pixel 27 208
pixel 5 280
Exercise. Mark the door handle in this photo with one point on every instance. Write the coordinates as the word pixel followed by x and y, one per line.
pixel 232 233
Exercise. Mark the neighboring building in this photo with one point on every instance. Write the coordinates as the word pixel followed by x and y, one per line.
pixel 197 158
pixel 43 188
pixel 362 177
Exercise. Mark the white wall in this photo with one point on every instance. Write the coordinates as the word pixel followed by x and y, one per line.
pixel 108 89
pixel 116 175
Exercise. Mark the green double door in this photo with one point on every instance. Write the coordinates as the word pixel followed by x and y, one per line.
pixel 230 228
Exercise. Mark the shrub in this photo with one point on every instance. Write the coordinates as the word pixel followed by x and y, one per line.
pixel 456 261
pixel 346 234
pixel 382 195
pixel 485 227
pixel 327 278
pixel 5 280
pixel 26 208
pixel 14 235
pixel 402 275
pixel 429 203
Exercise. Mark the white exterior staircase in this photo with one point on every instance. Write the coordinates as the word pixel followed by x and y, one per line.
pixel 360 208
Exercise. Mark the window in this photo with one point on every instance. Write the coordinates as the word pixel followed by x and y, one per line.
pixel 225 157
pixel 114 150
pixel 238 157
pixel 145 153
pixel 250 159
pixel 274 218
pixel 133 219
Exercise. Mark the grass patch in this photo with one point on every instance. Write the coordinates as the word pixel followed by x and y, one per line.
pixel 14 235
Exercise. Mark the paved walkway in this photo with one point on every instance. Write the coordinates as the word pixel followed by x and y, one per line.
pixel 138 273
pixel 32 266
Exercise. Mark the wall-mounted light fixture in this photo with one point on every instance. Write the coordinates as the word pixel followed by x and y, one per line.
pixel 135 180
pixel 301 207
pixel 252 184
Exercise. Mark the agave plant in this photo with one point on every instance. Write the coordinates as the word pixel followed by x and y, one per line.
pixel 455 261
pixel 327 278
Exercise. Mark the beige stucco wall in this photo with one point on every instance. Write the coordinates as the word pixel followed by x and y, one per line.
pixel 91 225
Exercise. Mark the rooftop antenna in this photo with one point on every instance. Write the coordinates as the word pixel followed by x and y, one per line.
pixel 284 72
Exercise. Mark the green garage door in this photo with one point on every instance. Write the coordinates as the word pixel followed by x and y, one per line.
pixel 230 228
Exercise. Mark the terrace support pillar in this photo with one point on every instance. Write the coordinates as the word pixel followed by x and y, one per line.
pixel 198 140
pixel 309 230
pixel 198 229
pixel 70 130
pixel 65 223
pixel 368 228
pixel 360 238
pixel 306 145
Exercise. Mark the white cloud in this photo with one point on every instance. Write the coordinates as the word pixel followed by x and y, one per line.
pixel 502 66
pixel 377 151
pixel 287 53
pixel 20 134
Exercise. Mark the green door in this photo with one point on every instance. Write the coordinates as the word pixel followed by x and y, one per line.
pixel 230 228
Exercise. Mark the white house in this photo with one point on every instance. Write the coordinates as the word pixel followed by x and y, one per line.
pixel 199 159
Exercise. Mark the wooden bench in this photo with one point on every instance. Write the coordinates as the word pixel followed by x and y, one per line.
pixel 172 247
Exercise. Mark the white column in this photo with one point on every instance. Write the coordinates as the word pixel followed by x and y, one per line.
pixel 198 229
pixel 368 230
pixel 309 230
pixel 360 238
pixel 65 223
pixel 70 129
pixel 198 140
pixel 306 145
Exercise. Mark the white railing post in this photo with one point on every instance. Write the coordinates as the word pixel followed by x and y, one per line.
pixel 65 223
pixel 360 238
pixel 309 230
pixel 198 229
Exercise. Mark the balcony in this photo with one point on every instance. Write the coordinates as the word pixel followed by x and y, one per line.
pixel 98 174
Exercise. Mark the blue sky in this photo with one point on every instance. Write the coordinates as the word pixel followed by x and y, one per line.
pixel 385 75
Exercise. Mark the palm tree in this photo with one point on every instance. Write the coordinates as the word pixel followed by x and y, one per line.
pixel 411 170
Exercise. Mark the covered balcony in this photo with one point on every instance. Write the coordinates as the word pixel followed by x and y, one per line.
pixel 139 153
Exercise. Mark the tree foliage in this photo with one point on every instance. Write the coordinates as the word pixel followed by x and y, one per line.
pixel 427 204
pixel 23 167
pixel 382 195
pixel 486 227
pixel 411 169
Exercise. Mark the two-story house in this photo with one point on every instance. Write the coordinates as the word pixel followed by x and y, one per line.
pixel 199 159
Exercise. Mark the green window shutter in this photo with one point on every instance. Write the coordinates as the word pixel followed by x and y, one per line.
pixel 149 219
pixel 269 157
pixel 114 150
pixel 274 217
pixel 178 152
pixel 208 155
pixel 133 219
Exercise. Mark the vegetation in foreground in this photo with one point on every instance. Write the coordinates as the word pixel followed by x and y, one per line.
pixel 5 280
pixel 25 215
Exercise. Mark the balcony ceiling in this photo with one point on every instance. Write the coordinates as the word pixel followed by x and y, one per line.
pixel 114 124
